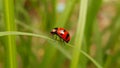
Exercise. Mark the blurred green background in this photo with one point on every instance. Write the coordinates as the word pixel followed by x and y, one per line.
pixel 101 33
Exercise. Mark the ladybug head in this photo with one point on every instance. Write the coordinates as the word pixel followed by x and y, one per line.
pixel 54 31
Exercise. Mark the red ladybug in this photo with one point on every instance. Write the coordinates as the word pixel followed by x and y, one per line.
pixel 62 33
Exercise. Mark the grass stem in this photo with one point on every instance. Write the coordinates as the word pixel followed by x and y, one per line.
pixel 79 33
pixel 10 39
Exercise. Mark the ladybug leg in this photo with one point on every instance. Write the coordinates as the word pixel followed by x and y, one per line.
pixel 63 42
pixel 55 37
pixel 58 38
pixel 61 39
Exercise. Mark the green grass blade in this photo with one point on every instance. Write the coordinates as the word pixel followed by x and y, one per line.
pixel 8 6
pixel 79 33
pixel 22 33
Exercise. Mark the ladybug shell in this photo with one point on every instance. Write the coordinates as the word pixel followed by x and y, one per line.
pixel 62 33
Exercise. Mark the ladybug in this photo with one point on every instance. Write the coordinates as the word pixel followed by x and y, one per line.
pixel 62 33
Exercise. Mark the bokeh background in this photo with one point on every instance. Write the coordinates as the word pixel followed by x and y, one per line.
pixel 101 34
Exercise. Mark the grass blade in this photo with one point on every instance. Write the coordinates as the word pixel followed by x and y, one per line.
pixel 36 35
pixel 79 33
pixel 10 40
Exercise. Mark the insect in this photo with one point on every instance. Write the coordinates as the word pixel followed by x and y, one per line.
pixel 62 33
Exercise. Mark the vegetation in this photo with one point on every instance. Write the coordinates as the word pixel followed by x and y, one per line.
pixel 26 42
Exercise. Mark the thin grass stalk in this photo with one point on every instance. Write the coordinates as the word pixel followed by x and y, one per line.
pixel 10 48
pixel 79 33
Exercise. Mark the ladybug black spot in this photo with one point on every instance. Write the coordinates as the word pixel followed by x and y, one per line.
pixel 67 36
pixel 64 31
pixel 61 34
